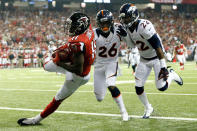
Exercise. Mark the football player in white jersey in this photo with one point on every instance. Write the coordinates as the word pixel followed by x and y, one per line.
pixel 142 34
pixel 107 37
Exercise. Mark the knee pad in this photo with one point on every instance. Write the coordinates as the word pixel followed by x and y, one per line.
pixel 133 67
pixel 114 91
pixel 139 90
pixel 164 87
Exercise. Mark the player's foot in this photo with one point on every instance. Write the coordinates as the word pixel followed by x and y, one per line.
pixel 148 112
pixel 125 116
pixel 30 121
pixel 26 121
pixel 176 77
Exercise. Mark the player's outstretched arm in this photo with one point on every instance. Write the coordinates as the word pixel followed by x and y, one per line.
pixel 156 44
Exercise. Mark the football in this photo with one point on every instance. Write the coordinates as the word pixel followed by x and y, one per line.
pixel 63 55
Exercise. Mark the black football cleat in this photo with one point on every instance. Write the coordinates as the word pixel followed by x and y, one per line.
pixel 26 122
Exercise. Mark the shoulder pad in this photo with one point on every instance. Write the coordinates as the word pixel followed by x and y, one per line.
pixel 146 29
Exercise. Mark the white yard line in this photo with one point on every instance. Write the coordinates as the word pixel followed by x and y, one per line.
pixel 176 94
pixel 89 83
pixel 101 114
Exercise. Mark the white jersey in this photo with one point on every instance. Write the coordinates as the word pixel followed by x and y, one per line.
pixel 134 50
pixel 139 38
pixel 107 48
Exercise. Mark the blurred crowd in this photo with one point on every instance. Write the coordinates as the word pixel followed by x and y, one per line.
pixel 31 35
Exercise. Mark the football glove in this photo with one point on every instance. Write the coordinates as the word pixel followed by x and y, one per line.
pixel 163 74
pixel 121 31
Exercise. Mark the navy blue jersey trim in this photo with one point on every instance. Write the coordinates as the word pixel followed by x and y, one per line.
pixel 137 25
pixel 155 41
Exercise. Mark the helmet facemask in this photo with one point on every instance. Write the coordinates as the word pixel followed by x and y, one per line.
pixel 68 29
pixel 105 25
pixel 104 21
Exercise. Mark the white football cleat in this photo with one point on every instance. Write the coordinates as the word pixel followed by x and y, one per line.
pixel 125 116
pixel 148 112
pixel 176 77
pixel 26 121
pixel 29 121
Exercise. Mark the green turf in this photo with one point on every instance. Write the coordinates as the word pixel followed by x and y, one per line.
pixel 35 88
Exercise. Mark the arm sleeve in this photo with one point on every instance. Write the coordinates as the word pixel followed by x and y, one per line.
pixel 155 41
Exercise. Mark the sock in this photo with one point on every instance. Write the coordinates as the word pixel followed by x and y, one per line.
pixel 182 65
pixel 143 98
pixel 38 118
pixel 120 103
pixel 50 108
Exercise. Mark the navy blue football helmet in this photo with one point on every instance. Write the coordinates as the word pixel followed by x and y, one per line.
pixel 128 14
pixel 105 20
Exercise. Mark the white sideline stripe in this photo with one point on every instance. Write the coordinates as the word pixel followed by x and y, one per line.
pixel 101 114
pixel 89 83
pixel 176 94
pixel 30 77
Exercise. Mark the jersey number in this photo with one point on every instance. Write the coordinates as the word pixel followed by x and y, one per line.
pixel 141 46
pixel 144 24
pixel 112 51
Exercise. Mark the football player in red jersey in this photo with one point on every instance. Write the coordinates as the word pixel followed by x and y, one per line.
pixel 80 51
pixel 180 52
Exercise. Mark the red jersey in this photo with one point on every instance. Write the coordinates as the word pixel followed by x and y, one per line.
pixel 179 49
pixel 83 43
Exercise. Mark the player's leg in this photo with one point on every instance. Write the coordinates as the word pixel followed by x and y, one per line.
pixel 71 84
pixel 141 75
pixel 180 59
pixel 129 62
pixel 135 62
pixel 52 67
pixel 111 74
pixel 162 84
pixel 100 86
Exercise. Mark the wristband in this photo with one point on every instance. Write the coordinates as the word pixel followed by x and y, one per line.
pixel 163 63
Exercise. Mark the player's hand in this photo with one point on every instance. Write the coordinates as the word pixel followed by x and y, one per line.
pixel 121 31
pixel 163 74
pixel 55 56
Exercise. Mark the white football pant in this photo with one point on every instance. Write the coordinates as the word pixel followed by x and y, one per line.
pixel 181 58
pixel 72 82
pixel 143 70
pixel 134 59
pixel 104 76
